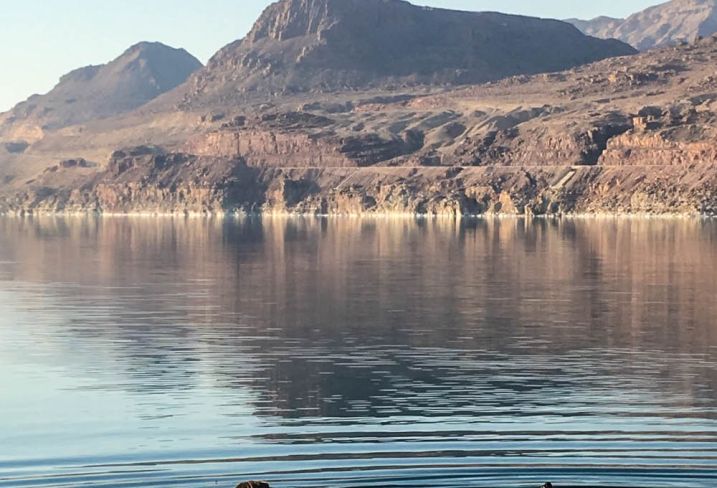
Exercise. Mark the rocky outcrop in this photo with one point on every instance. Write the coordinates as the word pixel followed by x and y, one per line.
pixel 16 147
pixel 300 139
pixel 679 134
pixel 538 143
pixel 329 45
pixel 655 150
pixel 265 148
pixel 256 484
pixel 669 23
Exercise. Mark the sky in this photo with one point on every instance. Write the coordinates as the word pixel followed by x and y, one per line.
pixel 40 40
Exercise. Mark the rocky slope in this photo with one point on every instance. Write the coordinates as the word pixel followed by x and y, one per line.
pixel 325 45
pixel 139 75
pixel 665 24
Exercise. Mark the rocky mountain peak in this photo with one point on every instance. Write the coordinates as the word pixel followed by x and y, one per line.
pixel 138 75
pixel 289 19
pixel 330 45
pixel 292 18
pixel 157 66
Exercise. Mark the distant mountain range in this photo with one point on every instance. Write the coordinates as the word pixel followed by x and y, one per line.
pixel 665 24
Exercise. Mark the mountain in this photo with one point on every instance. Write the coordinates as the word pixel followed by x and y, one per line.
pixel 376 106
pixel 328 45
pixel 139 75
pixel 632 134
pixel 665 24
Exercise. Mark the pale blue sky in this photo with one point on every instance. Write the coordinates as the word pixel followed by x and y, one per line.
pixel 42 39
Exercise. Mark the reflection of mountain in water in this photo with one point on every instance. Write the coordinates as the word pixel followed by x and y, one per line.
pixel 352 318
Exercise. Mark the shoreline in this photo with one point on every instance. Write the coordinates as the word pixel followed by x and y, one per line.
pixel 359 216
pixel 550 192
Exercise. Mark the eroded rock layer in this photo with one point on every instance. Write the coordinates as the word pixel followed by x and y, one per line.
pixel 147 179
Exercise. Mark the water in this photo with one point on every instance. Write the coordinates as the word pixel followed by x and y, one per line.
pixel 348 353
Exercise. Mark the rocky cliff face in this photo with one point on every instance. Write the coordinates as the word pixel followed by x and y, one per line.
pixel 302 139
pixel 328 45
pixel 665 24
pixel 139 75
pixel 149 180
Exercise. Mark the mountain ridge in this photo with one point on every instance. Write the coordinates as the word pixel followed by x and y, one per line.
pixel 665 24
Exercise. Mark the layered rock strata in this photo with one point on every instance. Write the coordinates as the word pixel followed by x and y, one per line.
pixel 148 180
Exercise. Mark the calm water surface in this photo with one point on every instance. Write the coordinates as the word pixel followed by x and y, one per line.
pixel 348 353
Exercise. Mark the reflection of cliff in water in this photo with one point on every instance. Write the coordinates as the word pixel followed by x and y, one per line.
pixel 382 317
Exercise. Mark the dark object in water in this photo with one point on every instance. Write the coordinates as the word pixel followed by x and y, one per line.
pixel 256 484
pixel 547 485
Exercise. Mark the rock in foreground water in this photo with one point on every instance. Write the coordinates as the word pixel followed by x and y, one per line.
pixel 253 484
pixel 264 484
